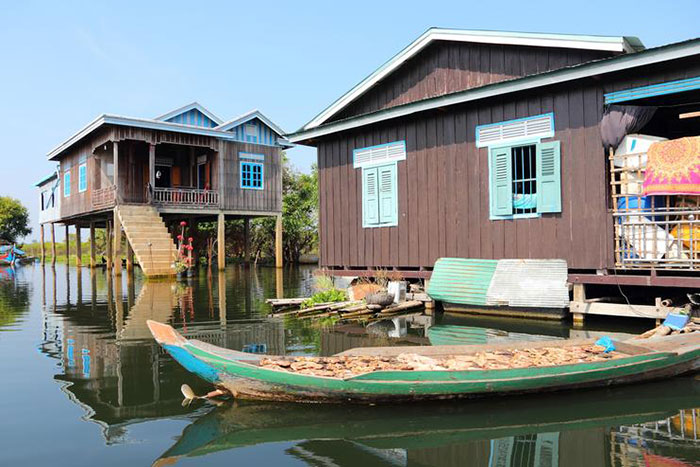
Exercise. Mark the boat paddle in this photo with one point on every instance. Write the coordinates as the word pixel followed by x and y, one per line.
pixel 189 394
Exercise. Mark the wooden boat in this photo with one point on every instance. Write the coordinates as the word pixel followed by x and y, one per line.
pixel 10 255
pixel 243 375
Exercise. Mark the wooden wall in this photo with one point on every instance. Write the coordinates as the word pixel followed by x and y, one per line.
pixel 447 67
pixel 443 184
pixel 269 199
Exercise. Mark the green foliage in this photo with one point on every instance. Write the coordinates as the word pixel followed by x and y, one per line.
pixel 299 217
pixel 323 282
pixel 325 296
pixel 14 220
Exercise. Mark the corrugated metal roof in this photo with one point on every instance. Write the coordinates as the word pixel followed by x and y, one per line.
pixel 461 280
pixel 534 283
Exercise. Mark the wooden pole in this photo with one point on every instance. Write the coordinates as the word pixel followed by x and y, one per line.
pixel 108 243
pixel 152 166
pixel 53 244
pixel 278 241
pixel 129 257
pixel 78 247
pixel 43 247
pixel 93 262
pixel 221 242
pixel 246 241
pixel 67 247
pixel 115 163
pixel 117 249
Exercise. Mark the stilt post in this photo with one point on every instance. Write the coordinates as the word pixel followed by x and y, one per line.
pixel 93 262
pixel 117 249
pixel 246 241
pixel 78 247
pixel 221 242
pixel 53 244
pixel 278 241
pixel 108 243
pixel 129 257
pixel 43 247
pixel 579 297
pixel 67 246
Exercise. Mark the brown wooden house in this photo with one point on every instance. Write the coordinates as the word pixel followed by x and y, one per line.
pixel 478 144
pixel 139 175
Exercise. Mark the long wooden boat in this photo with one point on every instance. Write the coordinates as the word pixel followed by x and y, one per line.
pixel 244 377
pixel 10 255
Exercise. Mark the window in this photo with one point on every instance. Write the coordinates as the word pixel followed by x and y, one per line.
pixel 382 153
pixel 43 201
pixel 66 184
pixel 379 196
pixel 252 175
pixel 82 177
pixel 525 180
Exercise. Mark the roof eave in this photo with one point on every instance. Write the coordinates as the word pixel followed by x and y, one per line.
pixel 619 63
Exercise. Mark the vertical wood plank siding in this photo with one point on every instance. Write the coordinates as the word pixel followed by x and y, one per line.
pixel 236 198
pixel 446 67
pixel 443 183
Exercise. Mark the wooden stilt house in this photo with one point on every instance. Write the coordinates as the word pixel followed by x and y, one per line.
pixel 488 145
pixel 135 176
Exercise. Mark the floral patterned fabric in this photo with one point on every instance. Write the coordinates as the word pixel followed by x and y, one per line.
pixel 673 167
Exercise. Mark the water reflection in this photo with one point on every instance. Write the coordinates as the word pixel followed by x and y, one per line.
pixel 93 326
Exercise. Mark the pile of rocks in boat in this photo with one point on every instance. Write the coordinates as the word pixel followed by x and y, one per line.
pixel 348 366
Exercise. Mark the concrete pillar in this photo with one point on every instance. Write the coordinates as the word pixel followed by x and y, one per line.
pixel 93 261
pixel 246 241
pixel 278 242
pixel 43 247
pixel 117 248
pixel 53 244
pixel 67 246
pixel 78 247
pixel 221 242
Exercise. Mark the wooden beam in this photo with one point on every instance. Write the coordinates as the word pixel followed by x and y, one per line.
pixel 689 115
pixel 620 309
pixel 53 244
pixel 246 241
pixel 278 242
pixel 117 249
pixel 78 247
pixel 152 166
pixel 43 247
pixel 67 246
pixel 115 163
pixel 108 243
pixel 221 242
pixel 93 261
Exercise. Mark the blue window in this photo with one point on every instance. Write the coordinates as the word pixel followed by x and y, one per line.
pixel 379 196
pixel 82 177
pixel 252 175
pixel 66 184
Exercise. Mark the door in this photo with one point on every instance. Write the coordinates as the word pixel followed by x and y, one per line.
pixel 163 176
pixel 201 175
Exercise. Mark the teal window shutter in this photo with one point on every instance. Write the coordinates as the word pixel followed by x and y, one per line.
pixel 388 205
pixel 370 197
pixel 549 177
pixel 66 184
pixel 501 182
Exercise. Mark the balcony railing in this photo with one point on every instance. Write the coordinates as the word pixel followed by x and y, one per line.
pixel 190 197
pixel 651 232
pixel 104 198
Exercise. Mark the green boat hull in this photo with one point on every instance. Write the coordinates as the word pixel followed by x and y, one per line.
pixel 240 374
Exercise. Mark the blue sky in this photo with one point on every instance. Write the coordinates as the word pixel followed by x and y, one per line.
pixel 64 63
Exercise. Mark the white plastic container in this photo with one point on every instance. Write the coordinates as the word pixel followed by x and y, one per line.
pixel 634 144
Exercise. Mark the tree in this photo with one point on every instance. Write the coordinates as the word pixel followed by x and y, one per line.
pixel 299 217
pixel 14 220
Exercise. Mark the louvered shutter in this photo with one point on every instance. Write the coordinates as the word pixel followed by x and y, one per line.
pixel 549 177
pixel 370 198
pixel 388 209
pixel 501 182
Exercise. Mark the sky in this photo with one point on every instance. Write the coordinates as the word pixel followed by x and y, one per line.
pixel 64 63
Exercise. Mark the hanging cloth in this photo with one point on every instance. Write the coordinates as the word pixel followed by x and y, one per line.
pixel 673 167
pixel 621 120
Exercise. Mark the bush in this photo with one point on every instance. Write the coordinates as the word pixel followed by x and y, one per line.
pixel 325 296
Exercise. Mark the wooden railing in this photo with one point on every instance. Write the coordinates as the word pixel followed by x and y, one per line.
pixel 104 197
pixel 191 197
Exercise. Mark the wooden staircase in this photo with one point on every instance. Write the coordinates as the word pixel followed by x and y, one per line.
pixel 148 236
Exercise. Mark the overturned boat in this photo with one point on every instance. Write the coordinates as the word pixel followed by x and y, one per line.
pixel 397 374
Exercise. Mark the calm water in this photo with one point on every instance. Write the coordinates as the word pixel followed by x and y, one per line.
pixel 83 384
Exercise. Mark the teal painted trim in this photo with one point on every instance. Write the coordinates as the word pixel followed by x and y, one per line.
pixel 642 92
pixel 82 178
pixel 372 164
pixel 393 217
pixel 248 176
pixel 462 280
pixel 506 122
pixel 66 184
